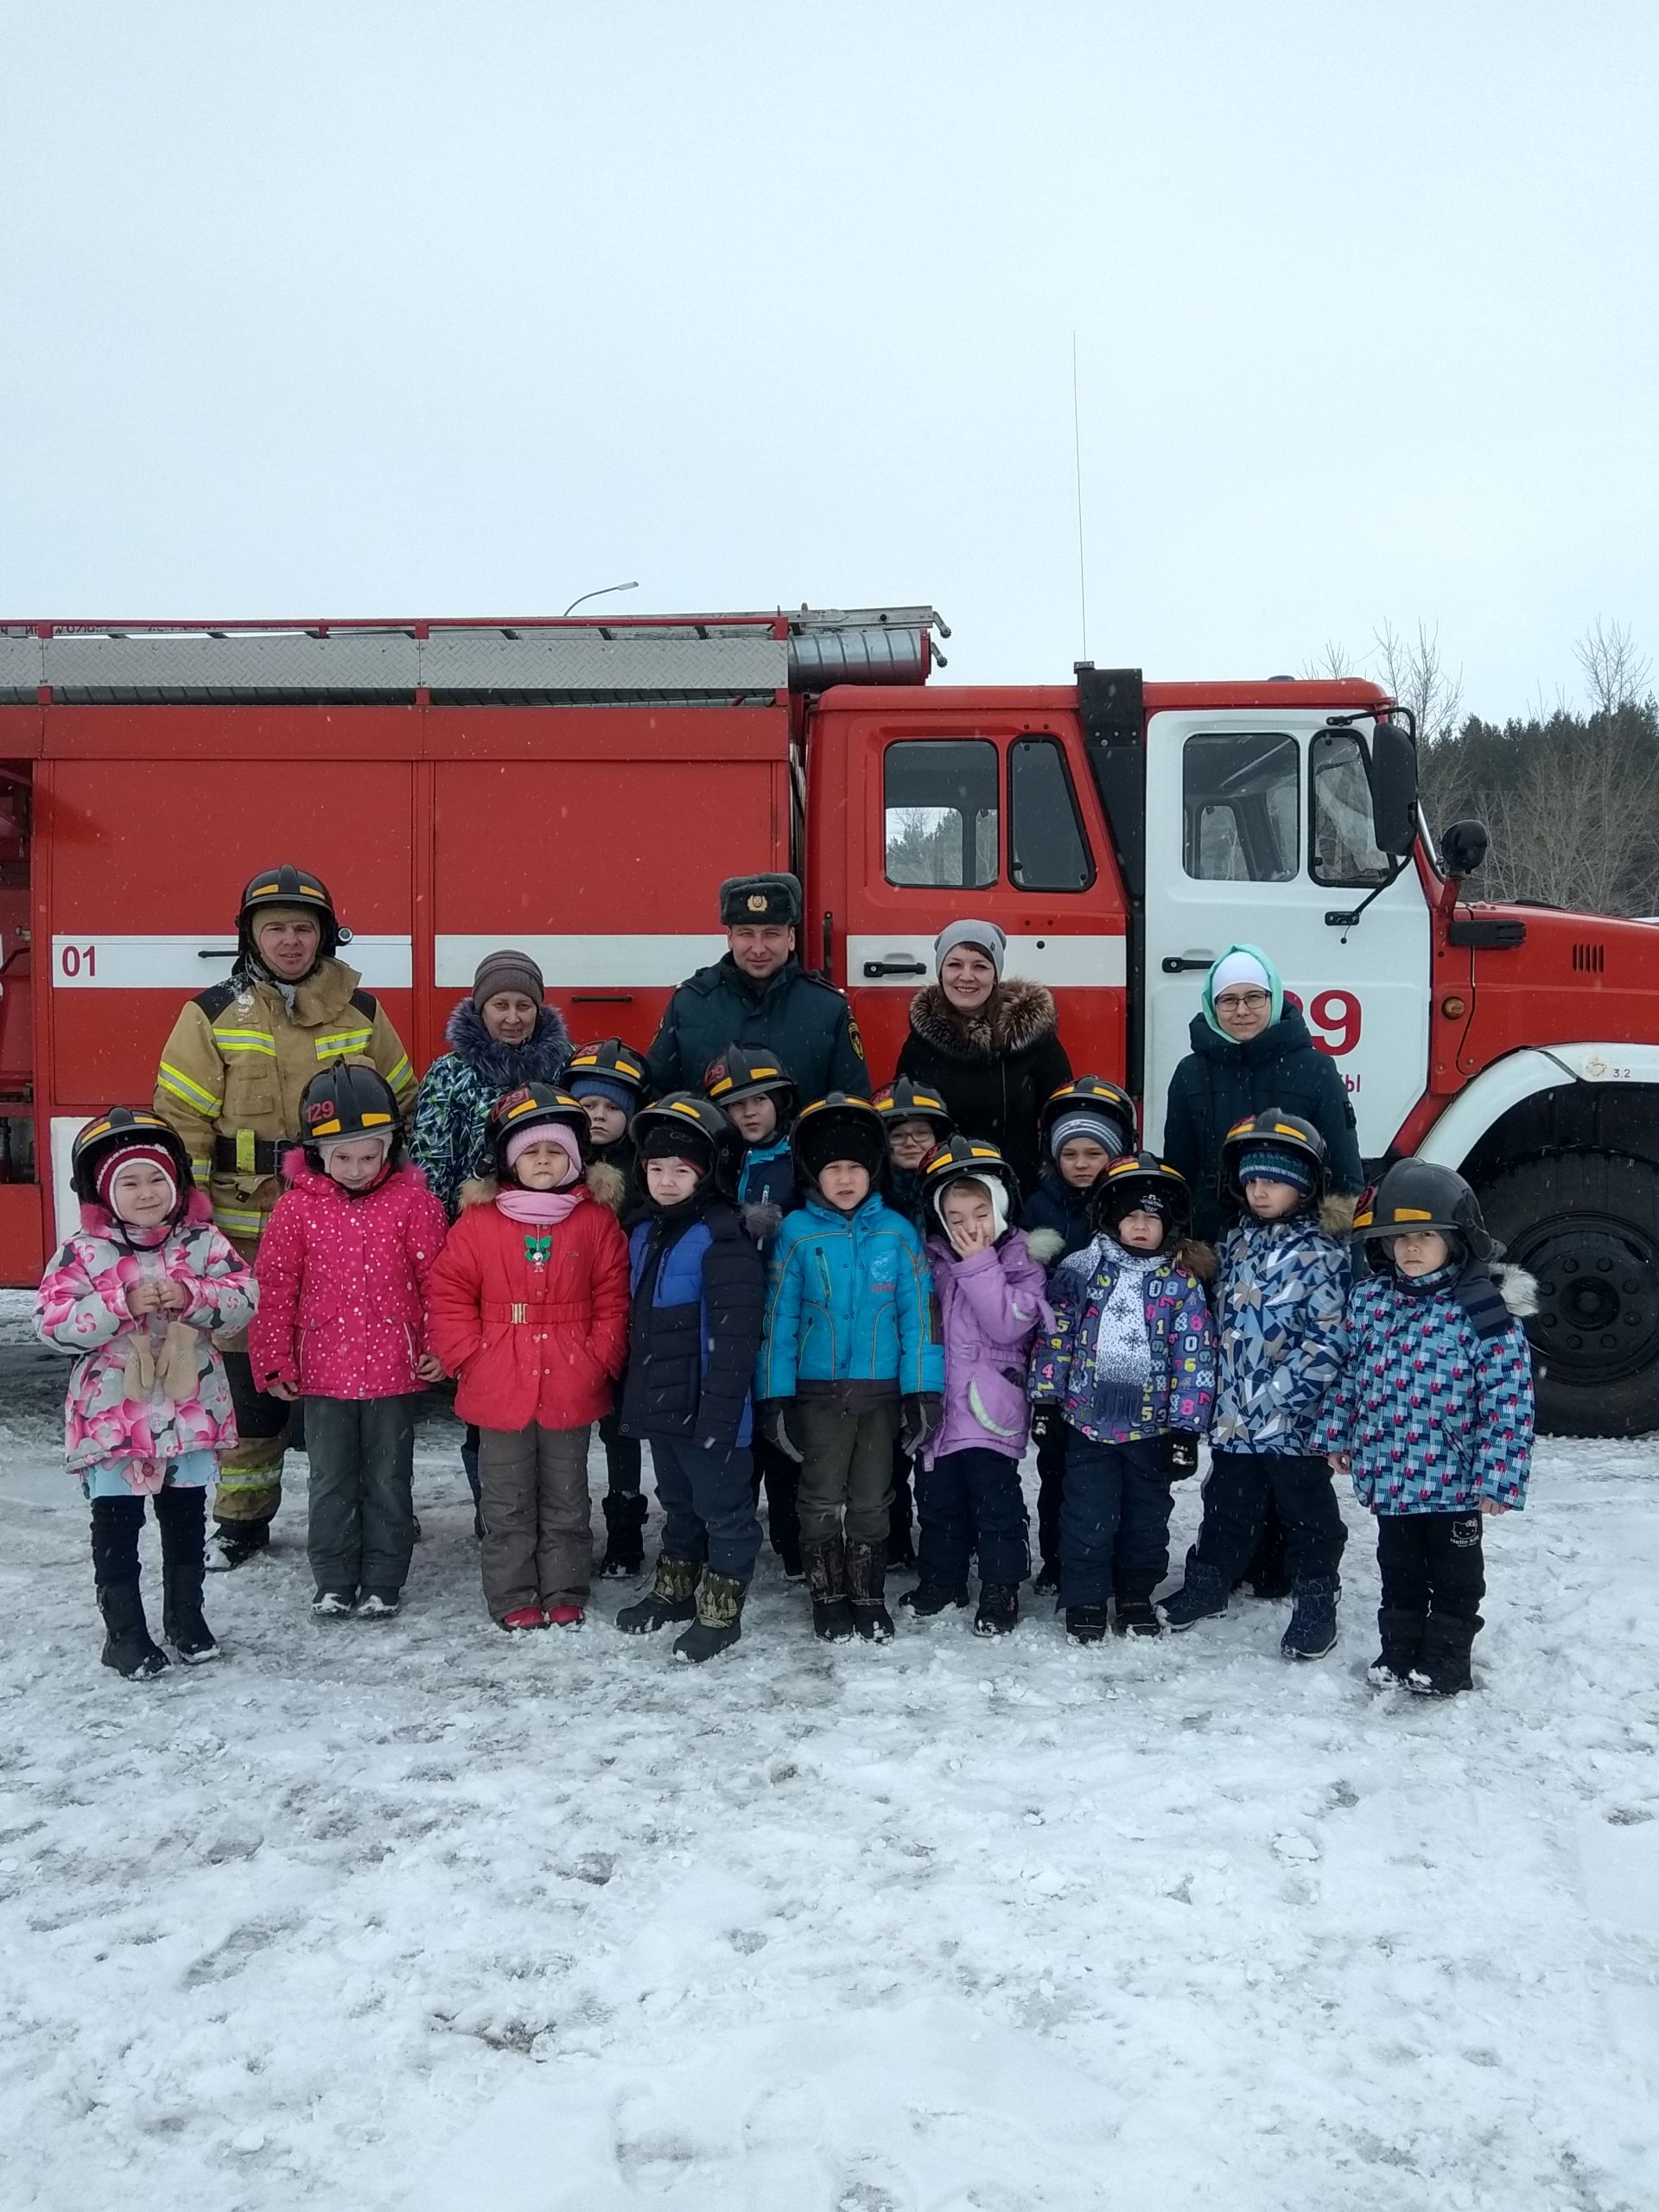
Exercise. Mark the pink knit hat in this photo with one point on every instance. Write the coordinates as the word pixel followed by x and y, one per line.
pixel 546 1133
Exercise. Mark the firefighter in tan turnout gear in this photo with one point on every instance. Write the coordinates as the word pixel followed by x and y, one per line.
pixel 230 1081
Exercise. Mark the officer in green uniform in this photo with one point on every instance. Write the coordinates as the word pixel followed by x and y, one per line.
pixel 759 995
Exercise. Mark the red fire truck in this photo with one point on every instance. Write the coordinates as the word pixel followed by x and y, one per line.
pixel 579 788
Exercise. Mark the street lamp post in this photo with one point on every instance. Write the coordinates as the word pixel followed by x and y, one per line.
pixel 604 592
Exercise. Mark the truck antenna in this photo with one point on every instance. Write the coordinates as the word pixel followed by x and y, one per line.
pixel 1077 458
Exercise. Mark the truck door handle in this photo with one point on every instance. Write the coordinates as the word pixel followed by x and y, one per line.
pixel 1178 963
pixel 896 968
pixel 212 952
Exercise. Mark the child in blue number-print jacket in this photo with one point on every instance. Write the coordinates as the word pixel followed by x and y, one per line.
pixel 1432 1416
pixel 1131 1364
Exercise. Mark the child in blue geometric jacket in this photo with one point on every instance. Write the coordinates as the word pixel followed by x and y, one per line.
pixel 1432 1416
pixel 1282 1292
pixel 1130 1365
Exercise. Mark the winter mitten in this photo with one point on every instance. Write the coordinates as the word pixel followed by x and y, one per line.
pixel 920 1418
pixel 772 1419
pixel 177 1364
pixel 140 1379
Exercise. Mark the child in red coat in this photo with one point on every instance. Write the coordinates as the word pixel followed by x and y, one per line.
pixel 342 1272
pixel 530 1309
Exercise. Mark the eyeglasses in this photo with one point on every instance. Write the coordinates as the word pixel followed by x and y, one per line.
pixel 1243 1001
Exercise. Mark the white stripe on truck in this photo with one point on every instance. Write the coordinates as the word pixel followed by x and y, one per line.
pixel 604 959
pixel 1064 959
pixel 92 962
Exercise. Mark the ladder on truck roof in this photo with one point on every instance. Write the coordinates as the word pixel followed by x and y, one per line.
pixel 678 659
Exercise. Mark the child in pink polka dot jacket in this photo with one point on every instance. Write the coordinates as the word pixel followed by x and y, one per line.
pixel 1432 1416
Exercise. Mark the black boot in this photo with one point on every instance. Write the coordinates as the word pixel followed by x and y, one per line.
pixel 1133 1612
pixel 999 1608
pixel 1085 1623
pixel 930 1598
pixel 867 1585
pixel 1442 1667
pixel 672 1597
pixel 117 1522
pixel 1402 1631
pixel 625 1534
pixel 826 1584
pixel 183 1516
pixel 235 1542
pixel 720 1619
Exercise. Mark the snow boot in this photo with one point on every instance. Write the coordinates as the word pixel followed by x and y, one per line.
pixel 930 1598
pixel 672 1597
pixel 867 1586
pixel 1202 1596
pixel 235 1542
pixel 1442 1667
pixel 720 1619
pixel 1085 1623
pixel 379 1604
pixel 625 1535
pixel 826 1584
pixel 999 1608
pixel 1312 1630
pixel 127 1645
pixel 1402 1631
pixel 1045 1583
pixel 182 1514
pixel 1133 1611
pixel 522 1619
pixel 334 1604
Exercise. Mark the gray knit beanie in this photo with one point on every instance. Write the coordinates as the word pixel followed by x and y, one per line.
pixel 980 936
pixel 507 971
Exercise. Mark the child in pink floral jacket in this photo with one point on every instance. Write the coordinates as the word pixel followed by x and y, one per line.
pixel 137 1296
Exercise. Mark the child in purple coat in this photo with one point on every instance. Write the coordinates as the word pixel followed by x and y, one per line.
pixel 991 1304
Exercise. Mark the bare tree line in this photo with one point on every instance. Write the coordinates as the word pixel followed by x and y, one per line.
pixel 1570 795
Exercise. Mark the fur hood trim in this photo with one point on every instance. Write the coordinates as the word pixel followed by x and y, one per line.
pixel 1518 1290
pixel 761 1219
pixel 603 1183
pixel 540 1058
pixel 1337 1211
pixel 1044 1245
pixel 1198 1259
pixel 98 1221
pixel 1016 1017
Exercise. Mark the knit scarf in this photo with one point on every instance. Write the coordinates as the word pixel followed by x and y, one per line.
pixel 1123 1346
pixel 537 1209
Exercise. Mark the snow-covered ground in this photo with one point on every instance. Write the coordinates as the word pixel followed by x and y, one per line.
pixel 425 1917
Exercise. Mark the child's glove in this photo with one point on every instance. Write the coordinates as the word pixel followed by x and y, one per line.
pixel 771 1419
pixel 1180 1454
pixel 919 1419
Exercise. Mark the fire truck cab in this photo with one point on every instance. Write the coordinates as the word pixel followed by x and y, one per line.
pixel 580 788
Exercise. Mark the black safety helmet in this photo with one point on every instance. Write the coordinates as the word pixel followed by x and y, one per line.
pixel 748 1072
pixel 682 1122
pixel 1420 1194
pixel 289 885
pixel 1272 1131
pixel 349 1099
pixel 1089 1094
pixel 1141 1181
pixel 532 1106
pixel 115 1131
pixel 961 1160
pixel 839 1127
pixel 905 1101
pixel 611 1069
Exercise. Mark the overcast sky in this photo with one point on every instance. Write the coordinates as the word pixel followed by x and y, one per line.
pixel 415 309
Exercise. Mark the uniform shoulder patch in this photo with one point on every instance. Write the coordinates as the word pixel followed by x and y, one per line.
pixel 214 1000
pixel 852 1036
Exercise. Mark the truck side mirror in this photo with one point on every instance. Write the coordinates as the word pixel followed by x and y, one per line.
pixel 1394 789
pixel 1463 848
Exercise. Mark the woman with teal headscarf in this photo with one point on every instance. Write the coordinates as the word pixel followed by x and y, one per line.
pixel 1250 1050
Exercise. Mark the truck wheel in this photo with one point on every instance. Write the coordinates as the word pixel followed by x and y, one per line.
pixel 1586 1224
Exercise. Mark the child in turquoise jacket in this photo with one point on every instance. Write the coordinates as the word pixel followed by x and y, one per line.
pixel 851 1358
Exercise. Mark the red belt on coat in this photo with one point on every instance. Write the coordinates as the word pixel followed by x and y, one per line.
pixel 536 1311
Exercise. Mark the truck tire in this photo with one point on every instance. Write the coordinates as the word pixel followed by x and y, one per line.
pixel 1587 1225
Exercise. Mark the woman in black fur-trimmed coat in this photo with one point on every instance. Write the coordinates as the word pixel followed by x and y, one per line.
pixel 505 1034
pixel 989 1048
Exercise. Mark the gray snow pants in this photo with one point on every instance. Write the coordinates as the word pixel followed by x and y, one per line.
pixel 846 1469
pixel 538 1548
pixel 361 1526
